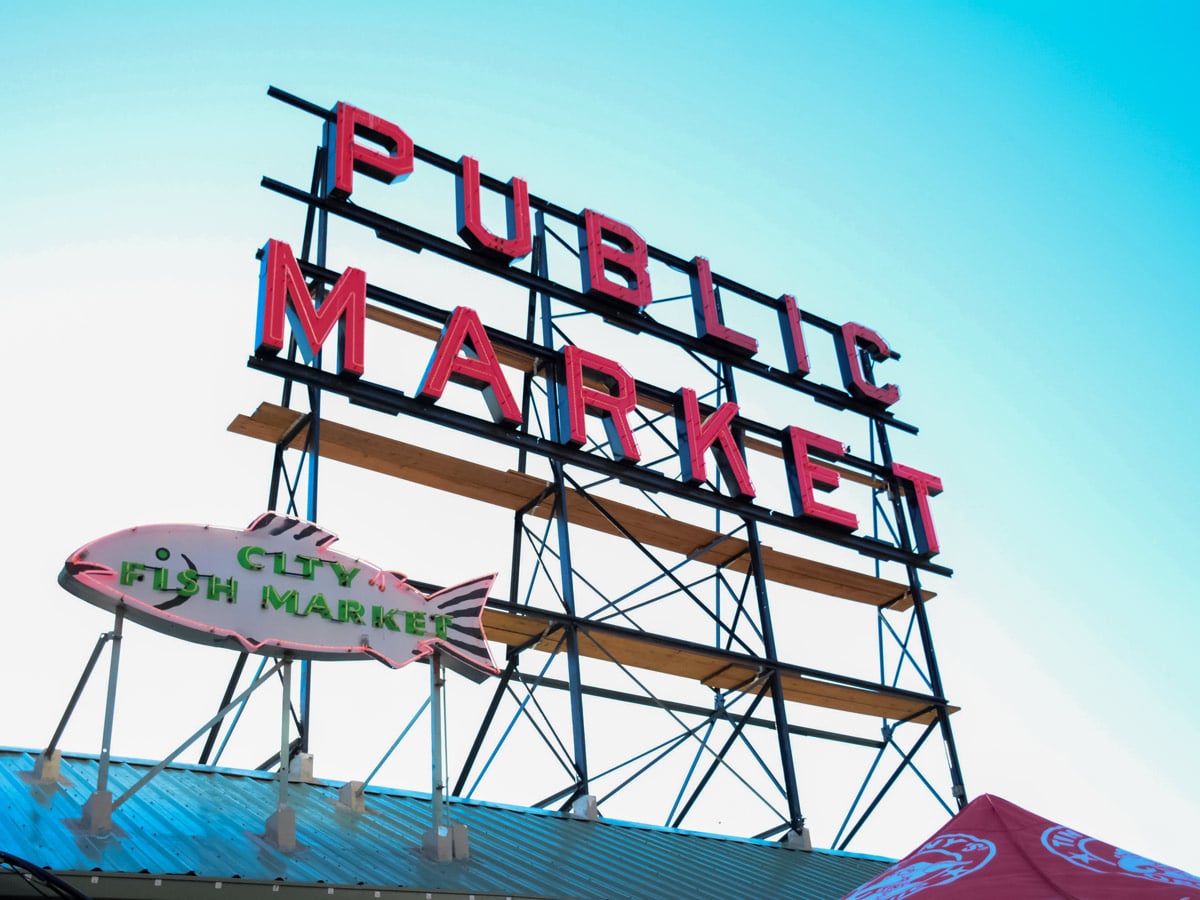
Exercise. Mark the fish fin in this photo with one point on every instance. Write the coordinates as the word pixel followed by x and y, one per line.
pixel 463 631
pixel 470 596
pixel 380 580
pixel 299 529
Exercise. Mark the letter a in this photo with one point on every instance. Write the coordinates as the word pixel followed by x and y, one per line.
pixel 479 368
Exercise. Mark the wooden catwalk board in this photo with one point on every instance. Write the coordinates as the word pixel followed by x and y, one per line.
pixel 728 671
pixel 515 490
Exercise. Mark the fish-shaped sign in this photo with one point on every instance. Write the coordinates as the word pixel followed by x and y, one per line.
pixel 276 588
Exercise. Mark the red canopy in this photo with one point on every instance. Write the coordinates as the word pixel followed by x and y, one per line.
pixel 994 850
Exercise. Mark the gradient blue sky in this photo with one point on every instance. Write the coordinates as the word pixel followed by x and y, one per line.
pixel 1009 193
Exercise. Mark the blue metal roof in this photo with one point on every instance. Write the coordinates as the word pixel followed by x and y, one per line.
pixel 209 822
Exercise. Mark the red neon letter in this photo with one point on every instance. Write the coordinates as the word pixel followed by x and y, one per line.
pixel 479 368
pixel 708 317
pixel 470 223
pixel 347 156
pixel 919 487
pixel 794 350
pixel 576 399
pixel 803 473
pixel 696 436
pixel 853 337
pixel 281 290
pixel 625 257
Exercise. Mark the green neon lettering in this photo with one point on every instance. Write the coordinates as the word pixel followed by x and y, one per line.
pixel 217 587
pixel 344 577
pixel 307 564
pixel 289 600
pixel 161 579
pixel 350 611
pixel 280 565
pixel 414 622
pixel 189 582
pixel 382 619
pixel 318 605
pixel 131 572
pixel 441 625
pixel 243 558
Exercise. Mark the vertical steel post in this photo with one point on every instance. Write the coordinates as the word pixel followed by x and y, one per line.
pixel 535 267
pixel 281 824
pixel 514 580
pixel 778 705
pixel 314 433
pixel 566 568
pixel 437 684
pixel 284 732
pixel 957 788
pixel 110 704
pixel 796 817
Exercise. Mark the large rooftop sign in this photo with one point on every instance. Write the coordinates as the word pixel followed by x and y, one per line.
pixel 674 510
pixel 616 278
pixel 672 516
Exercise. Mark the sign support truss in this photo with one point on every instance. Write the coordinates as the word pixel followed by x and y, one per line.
pixel 598 634
pixel 100 805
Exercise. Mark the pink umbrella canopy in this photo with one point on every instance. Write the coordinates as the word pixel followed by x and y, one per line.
pixel 995 850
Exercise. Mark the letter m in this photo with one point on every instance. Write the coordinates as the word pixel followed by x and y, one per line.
pixel 282 291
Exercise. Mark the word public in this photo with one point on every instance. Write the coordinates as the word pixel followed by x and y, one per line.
pixel 614 264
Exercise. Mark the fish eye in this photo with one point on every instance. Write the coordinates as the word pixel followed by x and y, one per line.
pixel 163 554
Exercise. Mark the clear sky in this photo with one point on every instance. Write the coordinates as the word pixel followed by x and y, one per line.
pixel 1009 193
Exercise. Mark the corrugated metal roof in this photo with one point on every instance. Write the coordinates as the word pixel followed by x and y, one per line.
pixel 209 822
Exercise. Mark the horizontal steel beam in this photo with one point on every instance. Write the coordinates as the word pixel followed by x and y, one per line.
pixel 405 235
pixel 394 402
pixel 692 709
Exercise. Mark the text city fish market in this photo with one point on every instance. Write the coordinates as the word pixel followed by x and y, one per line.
pixel 187 583
pixel 464 353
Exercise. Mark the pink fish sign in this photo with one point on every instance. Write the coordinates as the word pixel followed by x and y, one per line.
pixel 276 588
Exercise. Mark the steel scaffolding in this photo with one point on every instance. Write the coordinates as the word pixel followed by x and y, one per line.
pixel 676 613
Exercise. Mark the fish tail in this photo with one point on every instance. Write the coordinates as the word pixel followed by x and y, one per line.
pixel 461 631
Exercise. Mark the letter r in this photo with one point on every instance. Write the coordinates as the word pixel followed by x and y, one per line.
pixel 576 398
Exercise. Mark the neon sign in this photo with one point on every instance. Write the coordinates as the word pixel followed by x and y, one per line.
pixel 276 588
pixel 615 280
